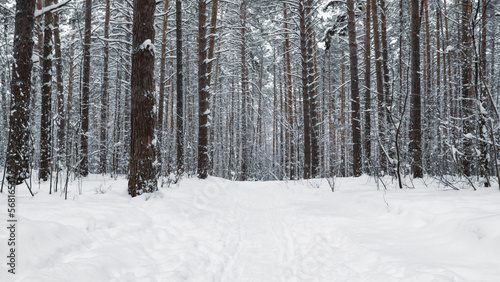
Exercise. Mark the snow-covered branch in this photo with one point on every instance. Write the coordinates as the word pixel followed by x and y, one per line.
pixel 50 8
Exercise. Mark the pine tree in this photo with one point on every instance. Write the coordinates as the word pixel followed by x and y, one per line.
pixel 180 84
pixel 85 102
pixel 367 83
pixel 104 94
pixel 18 150
pixel 203 92
pixel 46 117
pixel 355 99
pixel 142 171
pixel 415 145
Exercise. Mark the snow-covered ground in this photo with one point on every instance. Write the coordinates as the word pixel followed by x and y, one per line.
pixel 218 230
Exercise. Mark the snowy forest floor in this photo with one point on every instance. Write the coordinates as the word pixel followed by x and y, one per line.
pixel 218 230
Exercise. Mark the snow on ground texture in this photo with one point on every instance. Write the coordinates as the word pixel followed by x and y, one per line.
pixel 217 230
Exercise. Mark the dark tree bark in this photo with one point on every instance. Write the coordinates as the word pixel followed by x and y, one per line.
pixel 143 175
pixel 19 149
pixel 203 92
pixel 244 95
pixel 467 91
pixel 163 82
pixel 379 81
pixel 3 81
pixel 305 91
pixel 205 58
pixel 313 91
pixel 415 145
pixel 311 146
pixel 180 94
pixel 355 100
pixel 385 51
pixel 46 117
pixel 367 77
pixel 103 150
pixel 481 79
pixel 212 36
pixel 69 108
pixel 60 120
pixel 289 147
pixel 84 103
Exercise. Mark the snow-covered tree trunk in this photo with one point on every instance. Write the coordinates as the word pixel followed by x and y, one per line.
pixel 355 99
pixel 244 96
pixel 19 149
pixel 103 148
pixel 85 102
pixel 309 91
pixel 163 82
pixel 179 90
pixel 415 145
pixel 468 99
pixel 142 168
pixel 203 92
pixel 46 116
pixel 60 119
pixel 367 145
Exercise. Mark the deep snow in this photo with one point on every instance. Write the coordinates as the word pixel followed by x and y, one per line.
pixel 218 230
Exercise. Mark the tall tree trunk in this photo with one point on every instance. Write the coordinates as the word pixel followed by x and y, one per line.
pixel 60 120
pixel 142 174
pixel 244 95
pixel 343 142
pixel 428 78
pixel 211 40
pixel 163 82
pixel 467 91
pixel 84 162
pixel 355 100
pixel 69 107
pixel 402 88
pixel 289 148
pixel 3 81
pixel 481 77
pixel 46 117
pixel 311 147
pixel 379 81
pixel 415 145
pixel 367 78
pixel 18 150
pixel 385 53
pixel 105 94
pixel 203 92
pixel 180 94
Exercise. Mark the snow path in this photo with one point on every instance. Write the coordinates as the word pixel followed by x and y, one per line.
pixel 218 230
pixel 257 255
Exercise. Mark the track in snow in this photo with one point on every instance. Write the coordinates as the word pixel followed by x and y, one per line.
pixel 217 230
